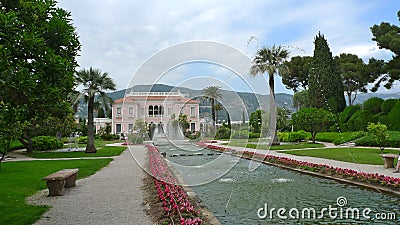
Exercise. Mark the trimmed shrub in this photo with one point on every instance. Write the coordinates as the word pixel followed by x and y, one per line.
pixel 394 117
pixel 384 120
pixel 194 135
pixel 373 105
pixel 348 113
pixel 43 143
pixel 16 145
pixel 254 135
pixel 243 134
pixel 223 133
pixel 393 140
pixel 387 105
pixel 82 140
pixel 363 119
pixel 292 136
pixel 338 138
pixel 352 121
pixel 109 137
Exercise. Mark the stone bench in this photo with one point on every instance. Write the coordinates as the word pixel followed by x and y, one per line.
pixel 388 160
pixel 57 181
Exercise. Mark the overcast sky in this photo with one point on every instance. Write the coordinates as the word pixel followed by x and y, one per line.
pixel 118 36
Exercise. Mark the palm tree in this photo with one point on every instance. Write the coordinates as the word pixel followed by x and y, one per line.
pixel 212 93
pixel 218 107
pixel 270 60
pixel 93 82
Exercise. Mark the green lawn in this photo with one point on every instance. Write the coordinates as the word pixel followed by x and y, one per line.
pixel 245 143
pixel 105 151
pixel 19 180
pixel 354 155
pixel 98 143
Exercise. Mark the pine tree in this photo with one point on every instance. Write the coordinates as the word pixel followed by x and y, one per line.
pixel 325 83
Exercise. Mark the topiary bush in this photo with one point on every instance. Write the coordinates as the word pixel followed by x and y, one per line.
pixel 351 123
pixel 363 119
pixel 254 135
pixel 109 137
pixel 394 117
pixel 388 105
pixel 293 136
pixel 43 143
pixel 82 140
pixel 348 113
pixel 223 133
pixel 373 105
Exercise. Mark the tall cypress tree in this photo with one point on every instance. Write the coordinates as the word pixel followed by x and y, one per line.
pixel 325 83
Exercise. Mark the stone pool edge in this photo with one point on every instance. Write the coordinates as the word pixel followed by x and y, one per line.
pixel 360 184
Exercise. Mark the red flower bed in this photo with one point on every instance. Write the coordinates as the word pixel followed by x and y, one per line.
pixel 370 178
pixel 174 199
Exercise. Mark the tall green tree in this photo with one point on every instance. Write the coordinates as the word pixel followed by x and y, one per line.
pixel 298 72
pixel 325 84
pixel 218 107
pixel 38 47
pixel 212 93
pixel 271 61
pixel 387 36
pixel 94 83
pixel 301 100
pixel 312 120
pixel 256 121
pixel 354 73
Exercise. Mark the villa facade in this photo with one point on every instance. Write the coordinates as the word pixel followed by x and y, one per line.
pixel 153 108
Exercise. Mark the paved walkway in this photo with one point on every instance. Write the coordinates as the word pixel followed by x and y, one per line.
pixel 346 165
pixel 114 195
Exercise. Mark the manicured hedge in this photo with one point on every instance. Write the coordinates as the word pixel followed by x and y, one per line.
pixel 387 105
pixel 43 143
pixel 82 140
pixel 109 137
pixel 338 138
pixel 293 136
pixel 394 117
pixel 393 140
pixel 373 105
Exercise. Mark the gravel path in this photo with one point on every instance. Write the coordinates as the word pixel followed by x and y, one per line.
pixel 114 195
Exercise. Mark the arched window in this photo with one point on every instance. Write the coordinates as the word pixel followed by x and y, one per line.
pixel 151 111
pixel 156 110
pixel 161 110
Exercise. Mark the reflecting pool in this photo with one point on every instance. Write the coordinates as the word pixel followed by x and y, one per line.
pixel 238 196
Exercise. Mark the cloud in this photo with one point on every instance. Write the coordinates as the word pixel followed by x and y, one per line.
pixel 368 51
pixel 117 36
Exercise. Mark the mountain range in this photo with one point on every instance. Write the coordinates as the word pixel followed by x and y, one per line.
pixel 236 103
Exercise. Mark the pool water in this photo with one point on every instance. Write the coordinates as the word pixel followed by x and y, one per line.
pixel 238 196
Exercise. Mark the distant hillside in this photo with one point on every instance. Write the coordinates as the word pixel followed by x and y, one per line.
pixel 364 96
pixel 236 100
pixel 248 101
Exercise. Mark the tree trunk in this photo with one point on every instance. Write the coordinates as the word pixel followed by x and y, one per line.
pixel 213 112
pixel 272 115
pixel 90 148
pixel 229 119
pixel 349 98
pixel 313 135
pixel 27 142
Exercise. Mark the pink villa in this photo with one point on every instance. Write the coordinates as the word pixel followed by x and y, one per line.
pixel 153 108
